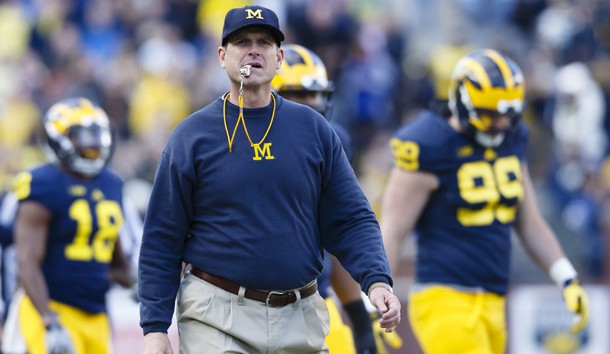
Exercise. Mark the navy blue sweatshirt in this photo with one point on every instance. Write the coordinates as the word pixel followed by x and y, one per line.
pixel 259 216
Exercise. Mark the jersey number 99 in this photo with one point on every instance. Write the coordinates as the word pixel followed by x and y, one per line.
pixel 486 182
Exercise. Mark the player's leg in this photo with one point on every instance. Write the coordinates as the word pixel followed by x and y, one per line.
pixel 33 330
pixel 495 313
pixel 340 339
pixel 448 321
pixel 91 331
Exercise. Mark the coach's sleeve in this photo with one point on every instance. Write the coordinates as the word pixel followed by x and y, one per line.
pixel 165 229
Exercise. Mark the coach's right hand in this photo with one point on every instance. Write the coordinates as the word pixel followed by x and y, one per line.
pixel 157 343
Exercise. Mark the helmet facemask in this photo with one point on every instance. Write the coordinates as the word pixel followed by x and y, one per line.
pixel 486 87
pixel 78 137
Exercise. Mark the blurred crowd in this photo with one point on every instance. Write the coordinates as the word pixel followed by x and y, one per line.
pixel 150 63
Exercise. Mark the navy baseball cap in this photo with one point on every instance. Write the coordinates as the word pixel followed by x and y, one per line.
pixel 239 18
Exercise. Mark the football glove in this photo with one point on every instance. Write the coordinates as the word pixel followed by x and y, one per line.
pixel 57 339
pixel 392 339
pixel 576 301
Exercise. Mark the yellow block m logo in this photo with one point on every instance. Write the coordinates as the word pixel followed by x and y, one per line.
pixel 265 152
pixel 254 14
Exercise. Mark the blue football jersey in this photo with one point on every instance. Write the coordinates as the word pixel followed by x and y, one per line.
pixel 86 219
pixel 463 233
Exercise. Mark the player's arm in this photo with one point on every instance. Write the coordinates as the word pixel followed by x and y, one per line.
pixel 346 288
pixel 31 234
pixel 369 337
pixel 120 271
pixel 349 293
pixel 535 234
pixel 405 196
pixel 541 244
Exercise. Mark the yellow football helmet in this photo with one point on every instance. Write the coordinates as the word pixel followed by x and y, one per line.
pixel 486 84
pixel 303 72
pixel 77 136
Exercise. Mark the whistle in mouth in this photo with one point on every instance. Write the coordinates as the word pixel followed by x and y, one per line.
pixel 245 70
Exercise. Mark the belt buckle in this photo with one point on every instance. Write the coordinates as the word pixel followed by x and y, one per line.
pixel 273 292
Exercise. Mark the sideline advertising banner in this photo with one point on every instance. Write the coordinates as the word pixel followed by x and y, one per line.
pixel 539 322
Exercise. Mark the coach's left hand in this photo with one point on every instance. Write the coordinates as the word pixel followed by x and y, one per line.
pixel 388 306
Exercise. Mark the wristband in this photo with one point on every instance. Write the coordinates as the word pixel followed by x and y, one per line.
pixel 379 285
pixel 561 271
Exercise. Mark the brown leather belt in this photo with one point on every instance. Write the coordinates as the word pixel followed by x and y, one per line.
pixel 272 298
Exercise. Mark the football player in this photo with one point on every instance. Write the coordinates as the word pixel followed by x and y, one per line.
pixel 66 232
pixel 462 184
pixel 302 78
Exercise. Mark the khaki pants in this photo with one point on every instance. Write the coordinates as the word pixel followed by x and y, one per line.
pixel 214 321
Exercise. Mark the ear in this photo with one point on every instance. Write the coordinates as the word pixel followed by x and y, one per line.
pixel 280 58
pixel 221 56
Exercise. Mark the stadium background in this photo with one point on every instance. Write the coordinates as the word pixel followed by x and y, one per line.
pixel 149 63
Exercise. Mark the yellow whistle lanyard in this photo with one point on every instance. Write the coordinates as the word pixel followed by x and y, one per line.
pixel 240 118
